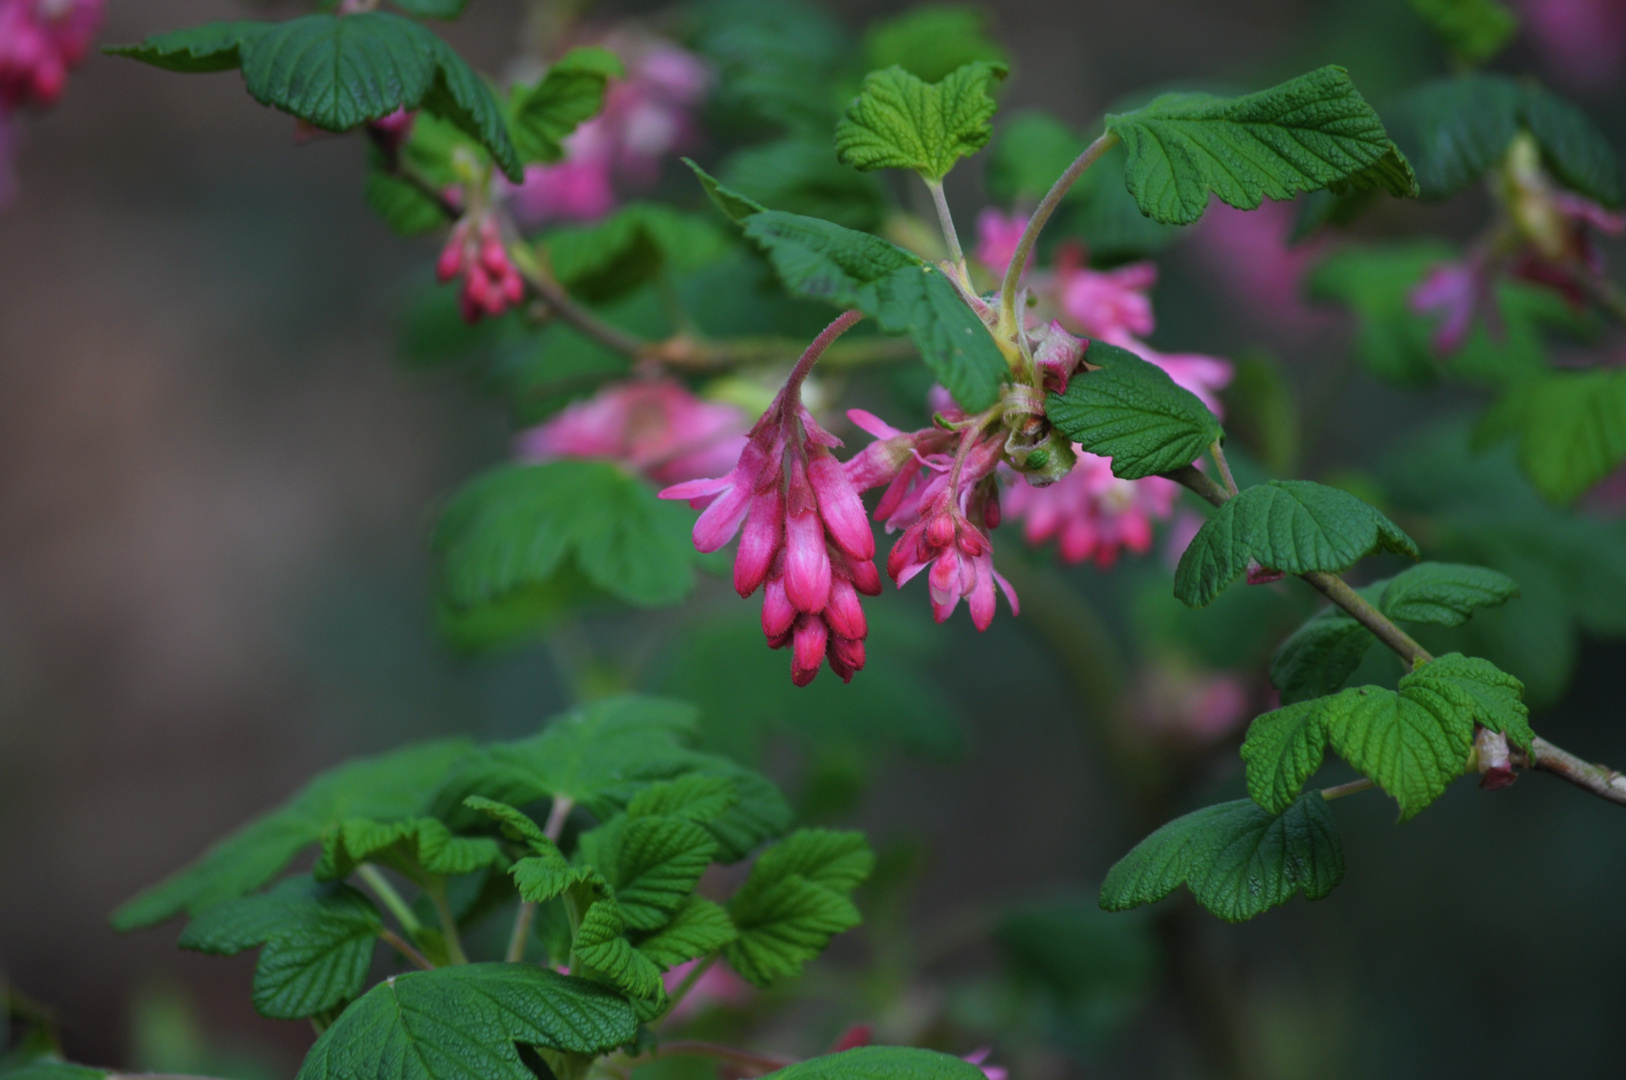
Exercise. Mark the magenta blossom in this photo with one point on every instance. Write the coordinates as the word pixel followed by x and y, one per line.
pixel 1456 290
pixel 997 236
pixel 979 1058
pixel 717 985
pixel 1091 513
pixel 1251 256
pixel 475 252
pixel 1105 304
pixel 1583 41
pixel 655 427
pixel 805 540
pixel 647 117
pixel 40 40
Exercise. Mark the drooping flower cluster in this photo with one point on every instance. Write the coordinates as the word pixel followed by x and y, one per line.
pixel 653 426
pixel 475 252
pixel 40 41
pixel 805 540
pixel 647 117
pixel 1091 513
pixel 942 492
pixel 1546 238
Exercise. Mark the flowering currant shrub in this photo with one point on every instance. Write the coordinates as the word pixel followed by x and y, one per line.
pixel 683 344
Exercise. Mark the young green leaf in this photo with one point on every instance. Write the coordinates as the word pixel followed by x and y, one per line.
pixel 572 91
pixel 931 42
pixel 518 524
pixel 1570 428
pixel 394 785
pixel 1132 412
pixel 548 874
pixel 337 73
pixel 1312 132
pixel 898 121
pixel 318 942
pixel 820 261
pixel 420 848
pixel 1472 30
pixel 1320 656
pixel 735 207
pixel 516 825
pixel 1294 526
pixel 1457 129
pixel 602 948
pixel 699 928
pixel 630 248
pixel 881 1063
pixel 1237 859
pixel 692 798
pixel 1413 742
pixel 795 901
pixel 652 864
pixel 418 1026
pixel 1444 594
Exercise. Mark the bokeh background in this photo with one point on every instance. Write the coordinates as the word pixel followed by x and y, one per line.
pixel 216 484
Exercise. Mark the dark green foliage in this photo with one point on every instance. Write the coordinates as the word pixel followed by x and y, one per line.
pixel 797 898
pixel 632 247
pixel 881 1063
pixel 1473 31
pixel 1237 859
pixel 337 73
pixel 1131 411
pixel 801 176
pixel 1569 428
pixel 572 91
pixel 318 943
pixel 1294 526
pixel 932 41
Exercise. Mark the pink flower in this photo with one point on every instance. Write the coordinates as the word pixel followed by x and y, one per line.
pixel 1104 304
pixel 476 253
pixel 656 427
pixel 992 1072
pixel 805 538
pixel 1249 255
pixel 394 130
pixel 1092 513
pixel 717 985
pixel 1583 41
pixel 39 41
pixel 1189 706
pixel 1456 290
pixel 576 189
pixel 997 236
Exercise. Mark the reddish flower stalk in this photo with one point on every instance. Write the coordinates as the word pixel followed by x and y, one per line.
pixel 805 539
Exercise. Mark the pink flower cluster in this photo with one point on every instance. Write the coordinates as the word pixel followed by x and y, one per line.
pixel 647 117
pixel 475 252
pixel 653 426
pixel 805 540
pixel 40 40
pixel 1090 512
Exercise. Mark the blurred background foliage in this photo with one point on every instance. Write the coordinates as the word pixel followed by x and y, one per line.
pixel 233 403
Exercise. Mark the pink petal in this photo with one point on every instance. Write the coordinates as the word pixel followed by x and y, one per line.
pixel 839 505
pixel 759 543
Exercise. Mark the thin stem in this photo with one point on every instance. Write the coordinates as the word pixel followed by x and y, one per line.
pixel 1338 791
pixel 692 1048
pixel 1224 466
pixel 521 933
pixel 1337 590
pixel 400 945
pixel 694 976
pixel 448 923
pixel 1036 223
pixel 844 322
pixel 946 220
pixel 375 880
pixel 1601 780
pixel 564 306
pixel 1199 483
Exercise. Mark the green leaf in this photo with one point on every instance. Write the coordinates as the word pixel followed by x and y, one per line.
pixel 318 942
pixel 432 9
pixel 634 246
pixel 1412 742
pixel 801 176
pixel 692 798
pixel 602 948
pixel 777 63
pixel 419 1026
pixel 652 864
pixel 699 928
pixel 898 121
pixel 1132 412
pixel 56 1070
pixel 795 901
pixel 571 92
pixel 1444 594
pixel 337 73
pixel 516 825
pixel 820 261
pixel 1311 132
pixel 1294 526
pixel 518 524
pixel 881 1063
pixel 1472 30
pixel 1569 426
pixel 735 207
pixel 394 785
pixel 1457 129
pixel 417 847
pixel 1238 860
pixel 932 41
pixel 1320 656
